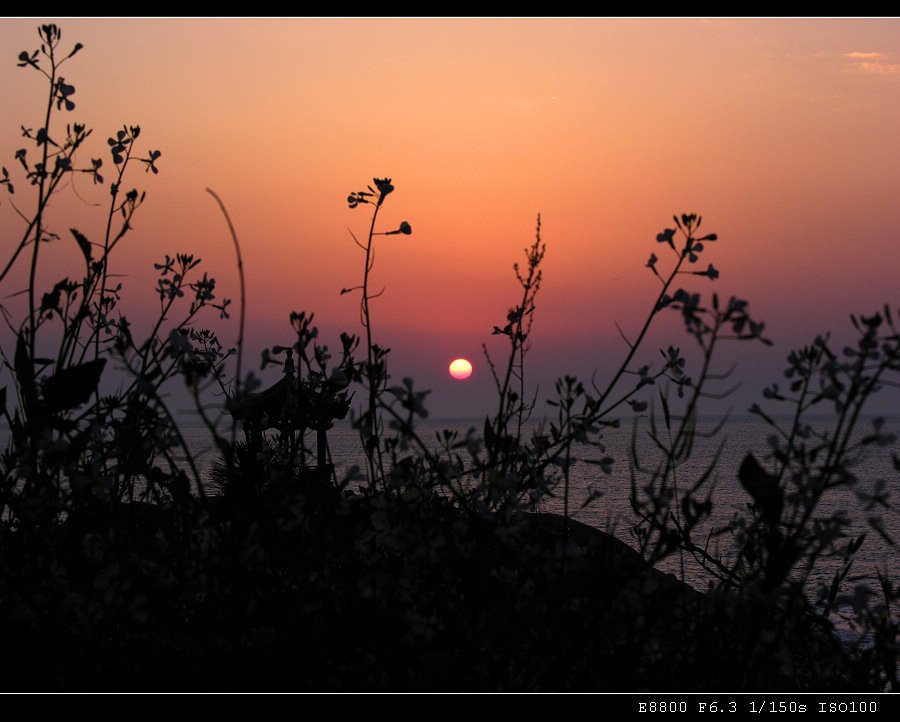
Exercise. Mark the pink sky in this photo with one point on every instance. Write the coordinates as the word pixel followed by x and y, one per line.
pixel 782 133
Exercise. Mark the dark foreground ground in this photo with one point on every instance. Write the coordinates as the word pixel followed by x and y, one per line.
pixel 329 592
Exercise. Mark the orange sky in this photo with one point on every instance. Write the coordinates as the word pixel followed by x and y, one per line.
pixel 782 133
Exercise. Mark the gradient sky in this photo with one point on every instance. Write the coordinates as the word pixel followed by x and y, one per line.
pixel 782 133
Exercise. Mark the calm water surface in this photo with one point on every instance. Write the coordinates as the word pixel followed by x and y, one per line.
pixel 612 511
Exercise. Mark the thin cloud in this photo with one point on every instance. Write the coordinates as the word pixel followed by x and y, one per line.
pixel 875 63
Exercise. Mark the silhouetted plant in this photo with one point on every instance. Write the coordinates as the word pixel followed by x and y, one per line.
pixel 669 516
pixel 790 528
pixel 375 369
pixel 91 459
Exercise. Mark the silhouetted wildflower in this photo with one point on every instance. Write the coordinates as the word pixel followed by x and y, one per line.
pixel 666 237
pixel 384 186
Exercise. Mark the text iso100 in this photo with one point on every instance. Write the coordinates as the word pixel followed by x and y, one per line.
pixel 846 706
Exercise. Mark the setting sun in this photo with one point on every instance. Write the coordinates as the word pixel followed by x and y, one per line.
pixel 460 369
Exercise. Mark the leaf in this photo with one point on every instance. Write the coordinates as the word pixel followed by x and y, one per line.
pixel 84 244
pixel 763 488
pixel 50 301
pixel 70 387
pixel 22 364
pixel 665 405
pixel 489 435
pixel 24 371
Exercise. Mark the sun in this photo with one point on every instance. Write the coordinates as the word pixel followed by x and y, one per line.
pixel 461 369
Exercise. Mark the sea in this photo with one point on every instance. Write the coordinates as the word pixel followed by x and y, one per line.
pixel 601 499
